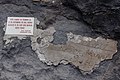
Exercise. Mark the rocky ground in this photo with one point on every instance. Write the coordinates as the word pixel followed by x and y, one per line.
pixel 97 18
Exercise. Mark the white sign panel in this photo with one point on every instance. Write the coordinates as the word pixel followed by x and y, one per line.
pixel 20 26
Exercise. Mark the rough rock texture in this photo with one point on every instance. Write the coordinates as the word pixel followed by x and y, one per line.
pixel 40 40
pixel 19 62
pixel 83 52
pixel 102 15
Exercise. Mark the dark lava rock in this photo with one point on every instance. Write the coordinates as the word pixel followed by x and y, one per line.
pixel 102 15
pixel 59 38
pixel 19 62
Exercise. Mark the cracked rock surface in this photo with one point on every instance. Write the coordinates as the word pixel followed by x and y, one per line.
pixel 19 61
